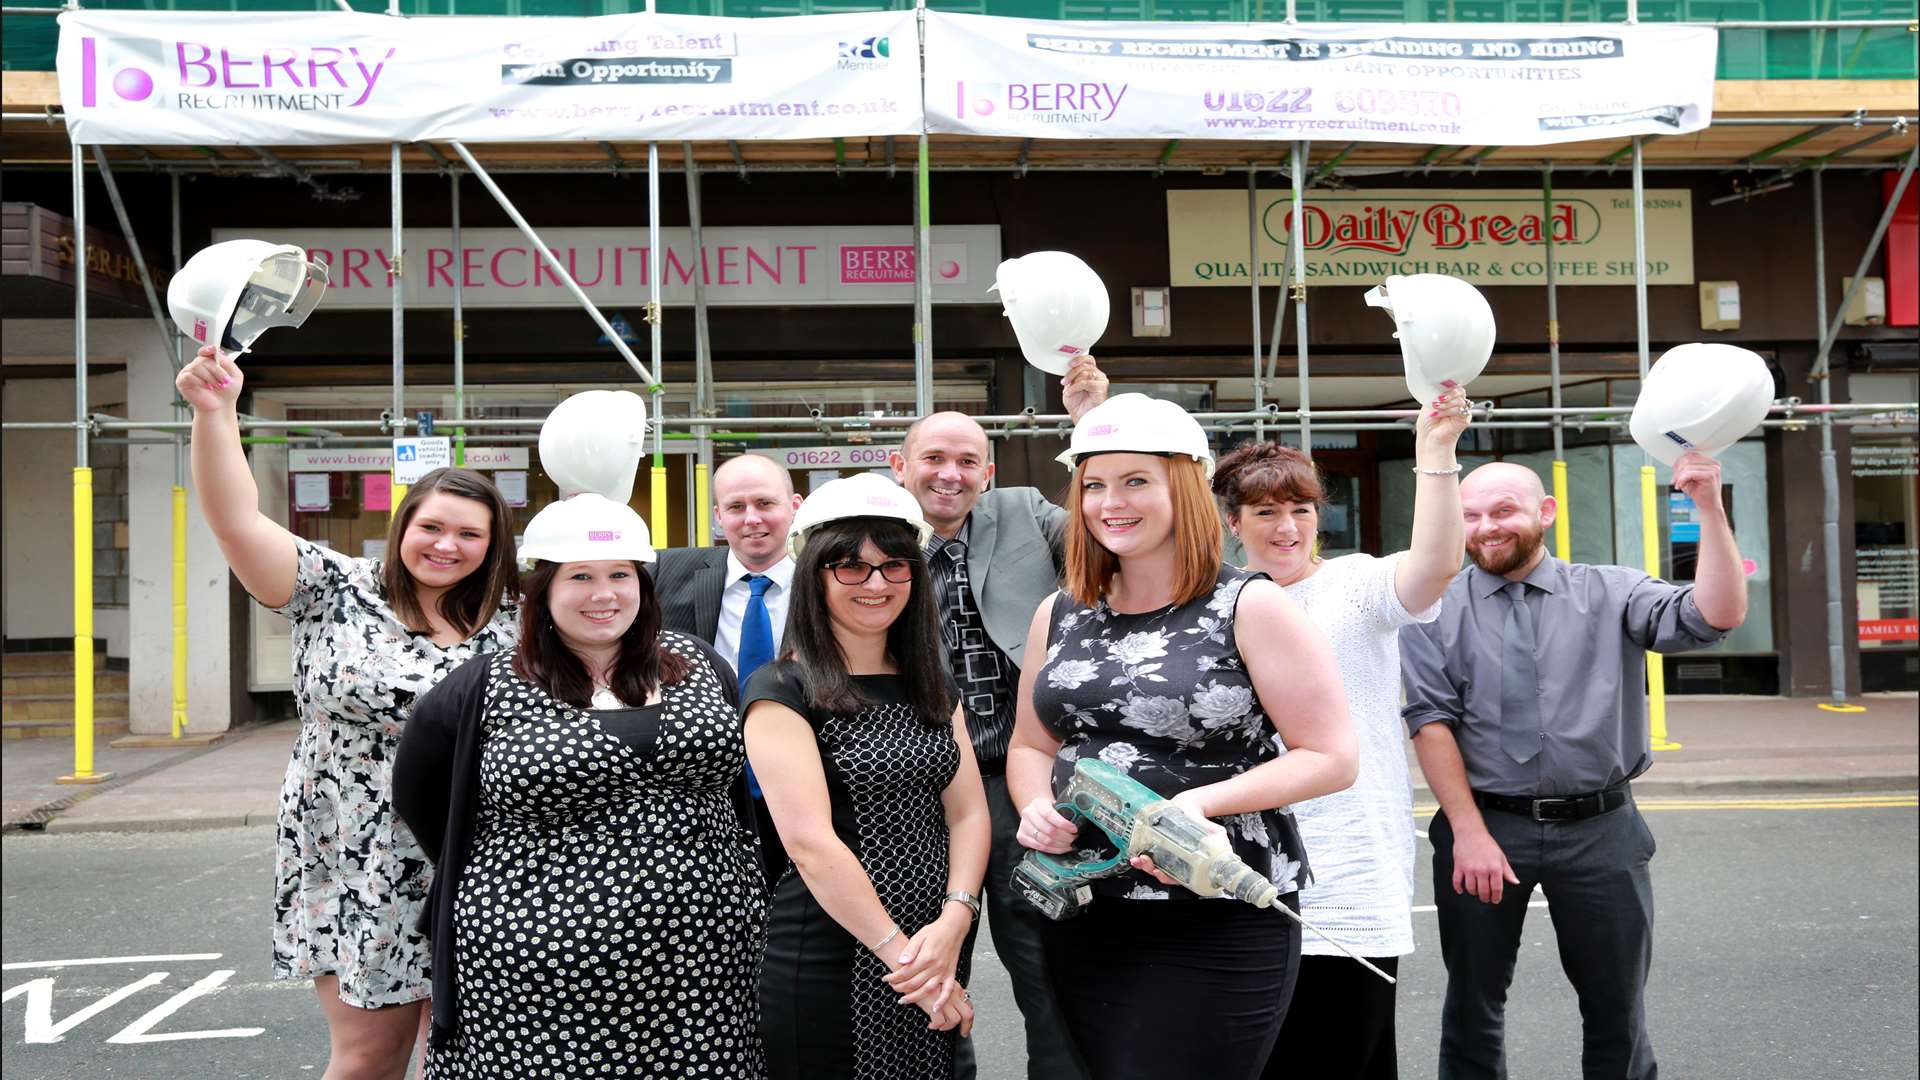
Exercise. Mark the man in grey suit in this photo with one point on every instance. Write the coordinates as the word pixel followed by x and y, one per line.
pixel 735 597
pixel 995 555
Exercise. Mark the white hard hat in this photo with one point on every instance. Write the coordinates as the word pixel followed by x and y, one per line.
pixel 1702 397
pixel 1058 306
pixel 1445 329
pixel 586 528
pixel 865 495
pixel 593 441
pixel 231 293
pixel 1136 423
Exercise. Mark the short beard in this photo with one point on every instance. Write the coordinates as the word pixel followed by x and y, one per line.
pixel 1525 544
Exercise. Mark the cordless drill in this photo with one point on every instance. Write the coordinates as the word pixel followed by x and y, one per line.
pixel 1140 822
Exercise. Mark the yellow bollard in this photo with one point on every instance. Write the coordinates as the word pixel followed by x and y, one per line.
pixel 179 611
pixel 1656 664
pixel 397 497
pixel 702 512
pixel 1562 522
pixel 83 633
pixel 658 526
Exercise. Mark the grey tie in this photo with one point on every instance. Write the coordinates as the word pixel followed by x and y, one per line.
pixel 1519 679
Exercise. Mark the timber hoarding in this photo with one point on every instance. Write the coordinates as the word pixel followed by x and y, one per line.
pixel 1488 237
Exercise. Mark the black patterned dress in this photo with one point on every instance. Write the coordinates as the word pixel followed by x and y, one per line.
pixel 824 1011
pixel 349 879
pixel 609 917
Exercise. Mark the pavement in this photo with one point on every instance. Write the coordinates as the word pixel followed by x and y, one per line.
pixel 1728 745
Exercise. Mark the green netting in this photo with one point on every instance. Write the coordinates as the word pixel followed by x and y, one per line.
pixel 27 42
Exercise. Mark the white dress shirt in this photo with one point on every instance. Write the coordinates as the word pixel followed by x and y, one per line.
pixel 733 605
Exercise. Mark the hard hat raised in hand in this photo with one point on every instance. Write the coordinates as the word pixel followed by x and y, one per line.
pixel 229 294
pixel 586 528
pixel 593 441
pixel 1703 397
pixel 1057 304
pixel 865 495
pixel 1445 329
pixel 1136 423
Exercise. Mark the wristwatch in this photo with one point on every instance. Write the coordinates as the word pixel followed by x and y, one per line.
pixel 961 896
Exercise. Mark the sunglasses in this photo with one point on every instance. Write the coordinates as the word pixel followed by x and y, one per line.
pixel 857 572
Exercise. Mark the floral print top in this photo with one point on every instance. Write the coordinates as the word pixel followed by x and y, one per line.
pixel 1164 696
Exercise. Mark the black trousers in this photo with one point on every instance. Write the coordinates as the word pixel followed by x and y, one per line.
pixel 1154 989
pixel 1340 1025
pixel 1016 927
pixel 1595 876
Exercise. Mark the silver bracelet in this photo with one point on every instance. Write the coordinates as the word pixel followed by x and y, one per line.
pixel 1455 471
pixel 883 941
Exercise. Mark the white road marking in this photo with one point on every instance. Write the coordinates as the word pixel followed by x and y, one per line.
pixel 39 1017
pixel 165 959
pixel 137 1032
pixel 1428 909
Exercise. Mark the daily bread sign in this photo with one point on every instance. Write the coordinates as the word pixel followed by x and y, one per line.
pixel 1487 237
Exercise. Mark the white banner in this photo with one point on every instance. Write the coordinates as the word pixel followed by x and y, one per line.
pixel 1498 84
pixel 870 264
pixel 318 78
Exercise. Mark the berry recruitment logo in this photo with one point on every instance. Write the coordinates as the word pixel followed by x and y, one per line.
pixel 210 75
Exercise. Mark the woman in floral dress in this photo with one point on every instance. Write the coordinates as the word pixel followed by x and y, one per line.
pixel 1138 662
pixel 369 637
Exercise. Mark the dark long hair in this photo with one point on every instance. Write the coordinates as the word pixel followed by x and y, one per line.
pixel 544 660
pixel 471 602
pixel 913 641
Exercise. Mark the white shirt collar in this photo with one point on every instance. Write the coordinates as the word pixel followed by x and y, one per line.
pixel 781 572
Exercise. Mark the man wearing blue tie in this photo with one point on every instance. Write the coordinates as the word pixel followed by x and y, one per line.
pixel 736 596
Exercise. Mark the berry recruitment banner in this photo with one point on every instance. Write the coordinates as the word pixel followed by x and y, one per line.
pixel 1497 84
pixel 318 78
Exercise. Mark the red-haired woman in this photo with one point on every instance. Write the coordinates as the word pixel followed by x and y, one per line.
pixel 1143 661
pixel 599 907
pixel 369 637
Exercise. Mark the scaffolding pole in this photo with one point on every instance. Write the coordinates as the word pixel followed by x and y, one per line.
pixel 1649 503
pixel 1296 241
pixel 1253 289
pixel 83 771
pixel 397 286
pixel 1562 520
pixel 701 516
pixel 656 274
pixel 459 326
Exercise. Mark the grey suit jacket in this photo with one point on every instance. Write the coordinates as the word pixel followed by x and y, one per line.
pixel 690 581
pixel 1013 561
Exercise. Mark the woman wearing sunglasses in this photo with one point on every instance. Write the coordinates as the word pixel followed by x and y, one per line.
pixel 869 776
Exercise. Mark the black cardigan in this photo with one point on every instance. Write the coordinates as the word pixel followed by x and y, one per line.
pixel 436 791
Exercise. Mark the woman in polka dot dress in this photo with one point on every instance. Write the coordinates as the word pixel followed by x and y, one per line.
pixel 870 779
pixel 599 907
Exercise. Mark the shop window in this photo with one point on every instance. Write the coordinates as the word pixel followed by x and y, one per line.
pixel 1885 467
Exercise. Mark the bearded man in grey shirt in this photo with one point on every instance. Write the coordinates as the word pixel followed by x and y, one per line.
pixel 1526 701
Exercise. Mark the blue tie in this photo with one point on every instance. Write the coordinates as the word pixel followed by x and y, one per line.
pixel 756 644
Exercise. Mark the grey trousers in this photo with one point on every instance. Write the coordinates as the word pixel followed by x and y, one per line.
pixel 1594 873
pixel 1015 925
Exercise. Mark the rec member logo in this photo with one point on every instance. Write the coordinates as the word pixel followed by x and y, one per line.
pixel 866 54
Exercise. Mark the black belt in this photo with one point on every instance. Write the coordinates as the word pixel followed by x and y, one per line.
pixel 1556 808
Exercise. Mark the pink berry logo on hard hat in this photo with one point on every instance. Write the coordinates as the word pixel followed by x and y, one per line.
pixel 881 501
pixel 1102 429
pixel 200 331
pixel 602 535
